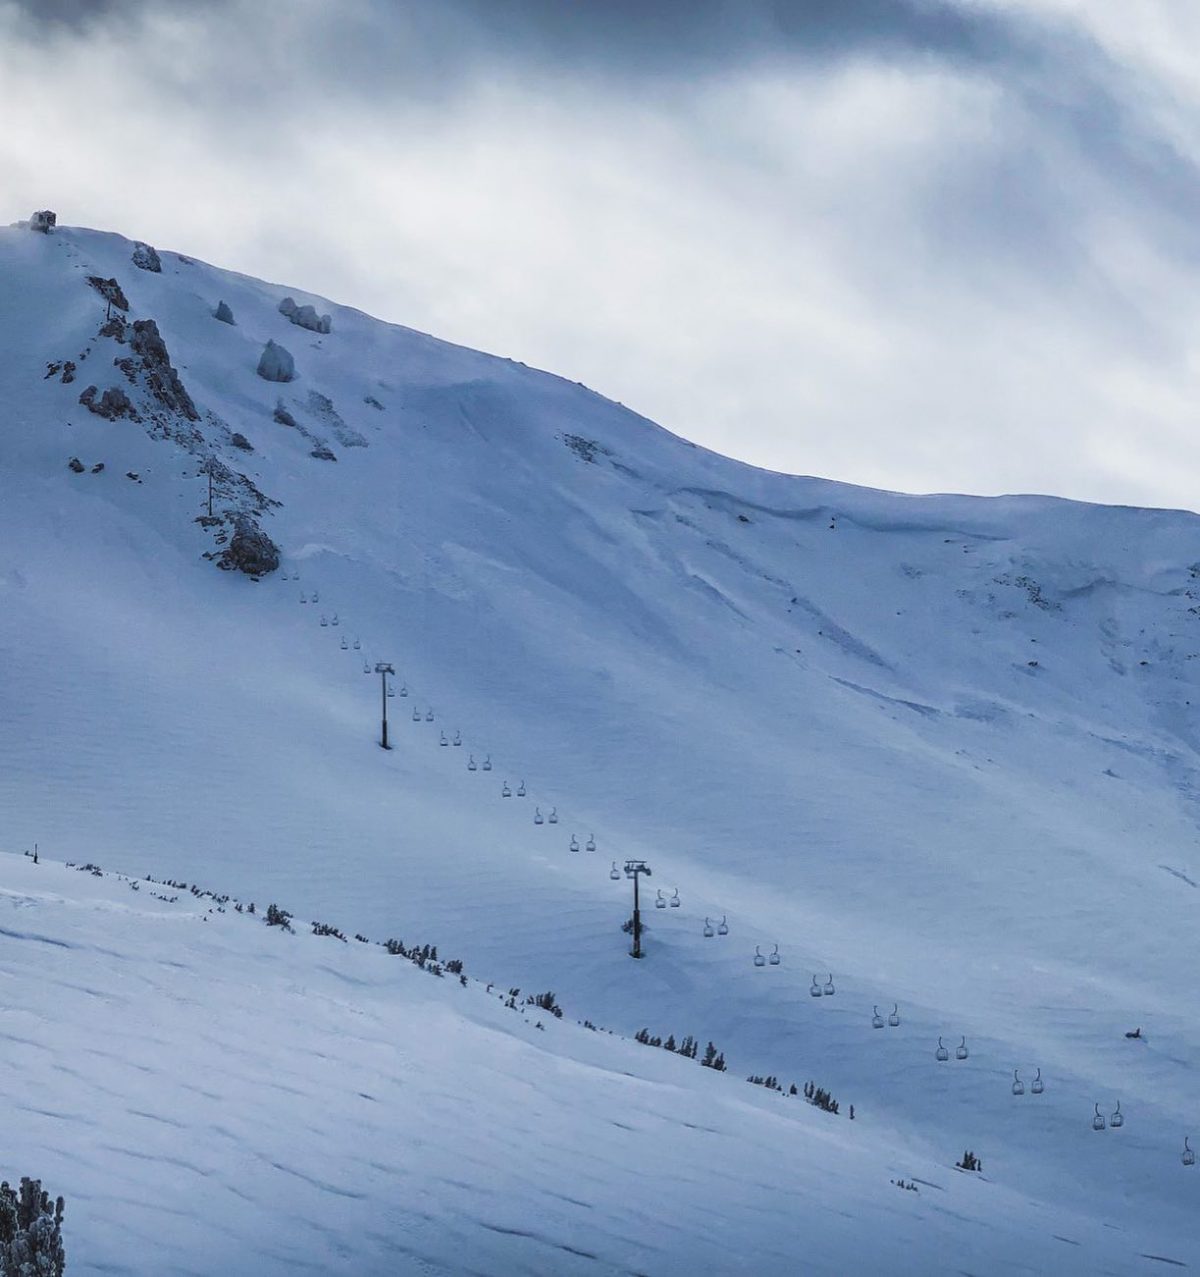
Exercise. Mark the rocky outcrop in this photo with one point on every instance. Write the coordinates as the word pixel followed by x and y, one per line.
pixel 223 313
pixel 111 405
pixel 110 290
pixel 305 316
pixel 44 220
pixel 250 550
pixel 146 258
pixel 161 378
pixel 239 440
pixel 276 364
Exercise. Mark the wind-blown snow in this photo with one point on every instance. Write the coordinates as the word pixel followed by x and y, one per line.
pixel 941 747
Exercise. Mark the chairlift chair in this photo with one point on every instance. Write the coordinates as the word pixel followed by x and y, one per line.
pixel 403 689
pixel 303 597
pixel 815 988
pixel 722 927
pixel 316 597
pixel 416 715
pixel 675 902
pixel 537 816
pixel 759 960
pixel 521 790
pixel 1018 1087
pixel 828 990
pixel 553 817
pixel 941 1054
pixel 774 959
pixel 323 620
pixel 960 1051
pixel 1098 1120
pixel 345 645
pixel 487 763
pixel 1037 1086
pixel 358 645
pixel 335 620
pixel 708 930
pixel 894 1018
pixel 471 764
pixel 614 873
pixel 574 843
pixel 1118 1118
pixel 505 792
pixel 457 739
pixel 591 842
pixel 1188 1157
pixel 659 902
pixel 876 1018
pixel 429 716
pixel 366 667
pixel 391 691
pixel 442 739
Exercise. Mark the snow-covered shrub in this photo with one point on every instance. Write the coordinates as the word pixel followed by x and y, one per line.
pixel 276 364
pixel 277 917
pixel 223 313
pixel 146 258
pixel 969 1162
pixel 44 220
pixel 31 1242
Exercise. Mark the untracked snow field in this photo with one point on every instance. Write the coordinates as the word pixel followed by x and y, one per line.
pixel 940 751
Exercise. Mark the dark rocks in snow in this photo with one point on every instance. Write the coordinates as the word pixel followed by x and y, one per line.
pixel 283 416
pixel 276 364
pixel 110 290
pixel 223 313
pixel 76 465
pixel 239 440
pixel 322 453
pixel 161 377
pixel 133 474
pixel 113 403
pixel 250 550
pixel 67 368
pixel 98 467
pixel 146 258
pixel 116 328
pixel 371 401
pixel 305 316
pixel 44 220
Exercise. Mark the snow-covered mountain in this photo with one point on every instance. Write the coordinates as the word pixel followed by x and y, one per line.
pixel 940 749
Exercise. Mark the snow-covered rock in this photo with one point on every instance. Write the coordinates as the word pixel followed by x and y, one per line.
pixel 276 363
pixel 305 316
pixel 250 550
pixel 145 257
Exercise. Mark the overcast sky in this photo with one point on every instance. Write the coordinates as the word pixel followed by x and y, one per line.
pixel 930 245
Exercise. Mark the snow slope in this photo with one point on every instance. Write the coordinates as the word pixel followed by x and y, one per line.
pixel 941 747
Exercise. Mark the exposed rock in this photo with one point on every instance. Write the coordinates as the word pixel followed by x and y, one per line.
pixel 68 372
pixel 113 403
pixel 373 402
pixel 276 363
pixel 110 290
pixel 76 465
pixel 98 467
pixel 239 440
pixel 223 313
pixel 133 474
pixel 283 416
pixel 162 378
pixel 146 257
pixel 115 328
pixel 322 453
pixel 305 316
pixel 43 220
pixel 250 550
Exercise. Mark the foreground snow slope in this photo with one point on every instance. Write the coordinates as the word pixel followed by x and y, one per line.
pixel 214 1095
pixel 942 747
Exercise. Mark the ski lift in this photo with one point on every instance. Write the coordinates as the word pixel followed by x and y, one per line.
pixel 335 620
pixel 659 902
pixel 505 792
pixel 723 927
pixel 876 1018
pixel 960 1051
pixel 614 873
pixel 591 842
pixel 574 843
pixel 553 817
pixel 345 645
pixel 1117 1118
pixel 1188 1156
pixel 521 790
pixel 416 715
pixel 941 1054
pixel 391 691
pixel 316 597
pixel 1018 1087
pixel 487 763
pixel 759 960
pixel 403 689
pixel 457 739
pixel 429 716
pixel 1098 1120
pixel 471 765
pixel 358 645
pixel 815 989
pixel 708 930
pixel 1037 1086
pixel 894 1018
pixel 323 620
pixel 442 739
pixel 775 959
pixel 303 597
pixel 828 990
pixel 675 902
pixel 366 668
pixel 537 815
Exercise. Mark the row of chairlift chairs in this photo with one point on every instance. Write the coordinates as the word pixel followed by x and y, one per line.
pixel 1115 1121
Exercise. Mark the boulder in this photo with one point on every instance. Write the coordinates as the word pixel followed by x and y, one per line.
pixel 146 258
pixel 276 364
pixel 250 550
pixel 223 313
pixel 305 316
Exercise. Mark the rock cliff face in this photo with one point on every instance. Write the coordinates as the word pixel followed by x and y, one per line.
pixel 250 550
